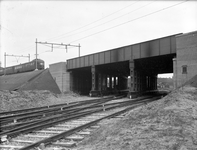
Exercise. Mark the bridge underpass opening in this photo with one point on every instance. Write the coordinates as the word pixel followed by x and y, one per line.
pixel 80 80
pixel 105 79
pixel 112 77
pixel 165 75
pixel 148 69
pixel 165 82
pixel 109 78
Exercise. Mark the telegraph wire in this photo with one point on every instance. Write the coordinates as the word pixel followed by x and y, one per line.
pixel 129 21
pixel 109 20
pixel 30 47
pixel 94 21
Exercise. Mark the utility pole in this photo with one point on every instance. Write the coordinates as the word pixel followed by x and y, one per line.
pixel 36 55
pixel 13 56
pixel 52 44
pixel 79 50
pixel 5 64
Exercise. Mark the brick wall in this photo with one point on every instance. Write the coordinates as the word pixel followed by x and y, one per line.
pixel 60 75
pixel 186 61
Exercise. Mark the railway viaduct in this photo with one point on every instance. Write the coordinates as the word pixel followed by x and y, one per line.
pixel 135 67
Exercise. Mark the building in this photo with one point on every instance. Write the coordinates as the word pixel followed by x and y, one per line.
pixel 185 63
pixel 60 75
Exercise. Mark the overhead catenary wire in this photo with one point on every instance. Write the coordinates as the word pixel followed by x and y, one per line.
pixel 94 21
pixel 109 20
pixel 132 20
pixel 32 46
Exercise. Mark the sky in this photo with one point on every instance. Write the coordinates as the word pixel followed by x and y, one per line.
pixel 95 25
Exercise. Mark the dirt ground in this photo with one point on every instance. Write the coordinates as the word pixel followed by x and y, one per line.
pixel 167 124
pixel 10 101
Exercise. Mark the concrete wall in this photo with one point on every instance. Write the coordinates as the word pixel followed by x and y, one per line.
pixel 60 75
pixel 186 47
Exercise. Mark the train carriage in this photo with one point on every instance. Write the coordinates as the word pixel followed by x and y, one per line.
pixel 1 71
pixel 9 70
pixel 26 67
pixel 18 69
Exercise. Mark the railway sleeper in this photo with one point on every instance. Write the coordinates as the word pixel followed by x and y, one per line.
pixel 74 137
pixel 70 143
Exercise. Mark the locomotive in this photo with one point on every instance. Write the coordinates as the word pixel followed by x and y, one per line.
pixel 26 67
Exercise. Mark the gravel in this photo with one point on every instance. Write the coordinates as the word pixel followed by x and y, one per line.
pixel 13 100
pixel 167 124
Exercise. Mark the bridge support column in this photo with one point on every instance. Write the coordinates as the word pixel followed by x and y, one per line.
pixel 155 83
pixel 94 91
pixel 175 73
pixel 71 81
pixel 99 81
pixel 104 85
pixel 106 82
pixel 132 92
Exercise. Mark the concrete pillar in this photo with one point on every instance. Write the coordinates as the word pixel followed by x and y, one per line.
pixel 135 80
pixel 104 85
pixel 71 81
pixel 175 73
pixel 132 78
pixel 99 81
pixel 132 93
pixel 93 91
pixel 74 82
pixel 155 82
pixel 93 70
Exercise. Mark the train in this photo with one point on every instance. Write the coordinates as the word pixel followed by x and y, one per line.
pixel 25 67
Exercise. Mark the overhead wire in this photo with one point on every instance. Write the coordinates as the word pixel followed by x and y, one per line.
pixel 95 20
pixel 109 20
pixel 132 20
pixel 85 25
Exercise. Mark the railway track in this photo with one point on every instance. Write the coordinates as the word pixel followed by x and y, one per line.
pixel 45 108
pixel 66 128
pixel 42 112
